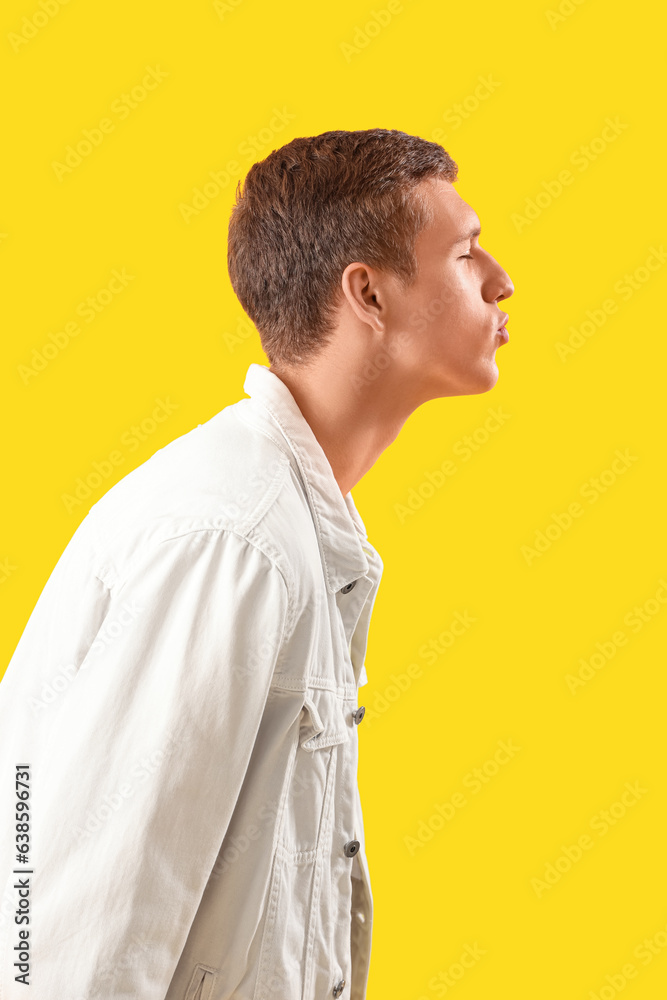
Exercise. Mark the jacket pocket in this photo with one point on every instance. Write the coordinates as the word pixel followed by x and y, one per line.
pixel 322 727
pixel 201 983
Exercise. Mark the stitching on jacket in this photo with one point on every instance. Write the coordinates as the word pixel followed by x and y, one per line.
pixel 311 498
pixel 283 682
pixel 279 856
pixel 291 455
pixel 104 572
pixel 290 618
pixel 323 845
pixel 196 981
pixel 267 501
pixel 113 579
pixel 241 415
pixel 330 739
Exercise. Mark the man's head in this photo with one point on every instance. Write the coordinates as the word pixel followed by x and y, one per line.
pixel 356 230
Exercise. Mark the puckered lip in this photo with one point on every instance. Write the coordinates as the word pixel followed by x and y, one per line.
pixel 503 322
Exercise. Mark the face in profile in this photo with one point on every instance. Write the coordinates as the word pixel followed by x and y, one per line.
pixel 448 319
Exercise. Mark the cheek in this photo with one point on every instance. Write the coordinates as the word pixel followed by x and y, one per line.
pixel 455 291
pixel 465 305
pixel 437 295
pixel 438 309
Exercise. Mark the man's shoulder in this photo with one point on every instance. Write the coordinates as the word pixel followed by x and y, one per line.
pixel 223 475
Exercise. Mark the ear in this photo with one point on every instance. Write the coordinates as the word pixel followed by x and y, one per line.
pixel 361 289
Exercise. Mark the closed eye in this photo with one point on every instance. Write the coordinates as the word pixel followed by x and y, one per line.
pixel 466 256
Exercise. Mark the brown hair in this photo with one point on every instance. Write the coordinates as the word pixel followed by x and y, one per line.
pixel 311 208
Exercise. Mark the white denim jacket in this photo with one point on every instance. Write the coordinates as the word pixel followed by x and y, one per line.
pixel 185 694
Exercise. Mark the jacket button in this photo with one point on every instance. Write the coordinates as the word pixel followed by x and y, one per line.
pixel 338 988
pixel 359 714
pixel 348 587
pixel 351 848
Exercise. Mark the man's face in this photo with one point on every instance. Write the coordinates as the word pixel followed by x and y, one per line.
pixel 450 312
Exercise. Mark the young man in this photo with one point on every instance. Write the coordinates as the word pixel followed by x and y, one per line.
pixel 182 707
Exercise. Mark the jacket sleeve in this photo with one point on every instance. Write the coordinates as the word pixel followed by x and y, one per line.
pixel 135 785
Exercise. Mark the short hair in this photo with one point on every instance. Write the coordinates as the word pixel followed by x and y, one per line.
pixel 312 207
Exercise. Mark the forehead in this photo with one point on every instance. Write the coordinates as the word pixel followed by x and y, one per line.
pixel 452 218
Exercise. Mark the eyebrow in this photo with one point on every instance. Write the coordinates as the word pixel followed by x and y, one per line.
pixel 468 236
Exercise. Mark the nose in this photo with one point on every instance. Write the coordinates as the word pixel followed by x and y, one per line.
pixel 508 287
pixel 498 284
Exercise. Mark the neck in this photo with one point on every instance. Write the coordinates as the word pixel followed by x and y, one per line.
pixel 353 417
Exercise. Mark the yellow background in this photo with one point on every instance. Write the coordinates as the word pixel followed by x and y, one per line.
pixel 170 335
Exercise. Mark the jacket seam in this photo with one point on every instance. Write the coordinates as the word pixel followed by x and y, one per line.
pixel 345 691
pixel 101 571
pixel 310 497
pixel 110 576
pixel 290 618
pixel 240 415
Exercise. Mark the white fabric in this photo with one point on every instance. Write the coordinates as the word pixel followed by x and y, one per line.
pixel 184 694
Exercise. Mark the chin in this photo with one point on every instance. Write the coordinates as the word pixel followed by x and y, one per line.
pixel 468 383
pixel 483 381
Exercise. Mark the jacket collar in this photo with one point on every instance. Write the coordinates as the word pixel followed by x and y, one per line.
pixel 340 529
